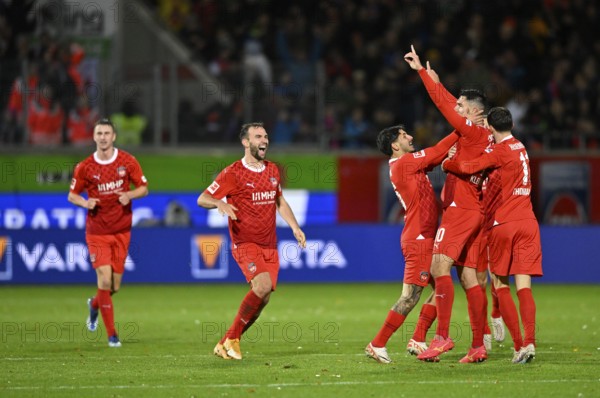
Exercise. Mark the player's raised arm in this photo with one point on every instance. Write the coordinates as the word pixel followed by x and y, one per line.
pixel 440 96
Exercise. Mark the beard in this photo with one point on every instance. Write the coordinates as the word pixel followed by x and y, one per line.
pixel 254 151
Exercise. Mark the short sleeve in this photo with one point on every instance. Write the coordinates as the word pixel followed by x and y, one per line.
pixel 78 180
pixel 136 174
pixel 224 184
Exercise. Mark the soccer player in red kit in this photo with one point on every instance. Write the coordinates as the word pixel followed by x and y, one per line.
pixel 456 241
pixel 410 182
pixel 253 192
pixel 107 176
pixel 514 239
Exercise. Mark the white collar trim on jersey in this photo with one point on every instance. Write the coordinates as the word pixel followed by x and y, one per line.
pixel 507 137
pixel 109 161
pixel 254 169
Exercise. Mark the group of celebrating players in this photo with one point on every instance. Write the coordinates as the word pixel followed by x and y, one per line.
pixel 487 225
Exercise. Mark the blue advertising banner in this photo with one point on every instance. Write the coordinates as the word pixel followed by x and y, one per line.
pixel 352 253
pixel 52 210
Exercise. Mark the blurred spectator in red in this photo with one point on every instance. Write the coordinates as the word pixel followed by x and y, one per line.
pixel 14 115
pixel 80 123
pixel 75 56
pixel 45 119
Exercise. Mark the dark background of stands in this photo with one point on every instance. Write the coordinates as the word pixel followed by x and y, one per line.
pixel 331 73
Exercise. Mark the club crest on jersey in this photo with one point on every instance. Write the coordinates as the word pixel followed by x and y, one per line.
pixel 121 171
pixel 273 181
pixel 93 258
pixel 419 154
pixel 252 268
pixel 424 276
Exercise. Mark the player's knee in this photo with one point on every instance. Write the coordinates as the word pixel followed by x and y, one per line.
pixel 262 287
pixel 468 279
pixel 104 283
pixel 262 290
pixel 441 265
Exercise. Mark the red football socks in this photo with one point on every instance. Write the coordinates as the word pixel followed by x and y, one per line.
pixel 527 309
pixel 392 322
pixel 444 298
pixel 248 309
pixel 255 317
pixel 508 311
pixel 476 314
pixel 486 327
pixel 106 309
pixel 426 318
pixel 495 305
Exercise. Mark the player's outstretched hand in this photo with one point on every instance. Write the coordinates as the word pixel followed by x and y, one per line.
pixel 432 74
pixel 412 59
pixel 225 209
pixel 299 235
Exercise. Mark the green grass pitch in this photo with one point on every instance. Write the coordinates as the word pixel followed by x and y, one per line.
pixel 308 342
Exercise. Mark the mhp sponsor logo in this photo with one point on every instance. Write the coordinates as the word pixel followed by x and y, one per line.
pixel 209 256
pixel 5 258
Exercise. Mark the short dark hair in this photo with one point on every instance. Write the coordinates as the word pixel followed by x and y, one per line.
pixel 500 119
pixel 105 122
pixel 247 126
pixel 386 137
pixel 475 95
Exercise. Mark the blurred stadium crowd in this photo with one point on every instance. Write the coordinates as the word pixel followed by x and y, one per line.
pixel 58 110
pixel 335 68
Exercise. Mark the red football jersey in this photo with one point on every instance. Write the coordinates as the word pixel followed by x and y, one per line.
pixel 459 191
pixel 410 182
pixel 509 188
pixel 104 180
pixel 254 192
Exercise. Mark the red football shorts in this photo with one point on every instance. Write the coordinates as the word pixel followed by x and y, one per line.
pixel 458 236
pixel 516 248
pixel 109 250
pixel 253 260
pixel 417 259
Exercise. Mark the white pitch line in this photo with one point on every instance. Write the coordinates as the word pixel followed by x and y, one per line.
pixel 287 385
